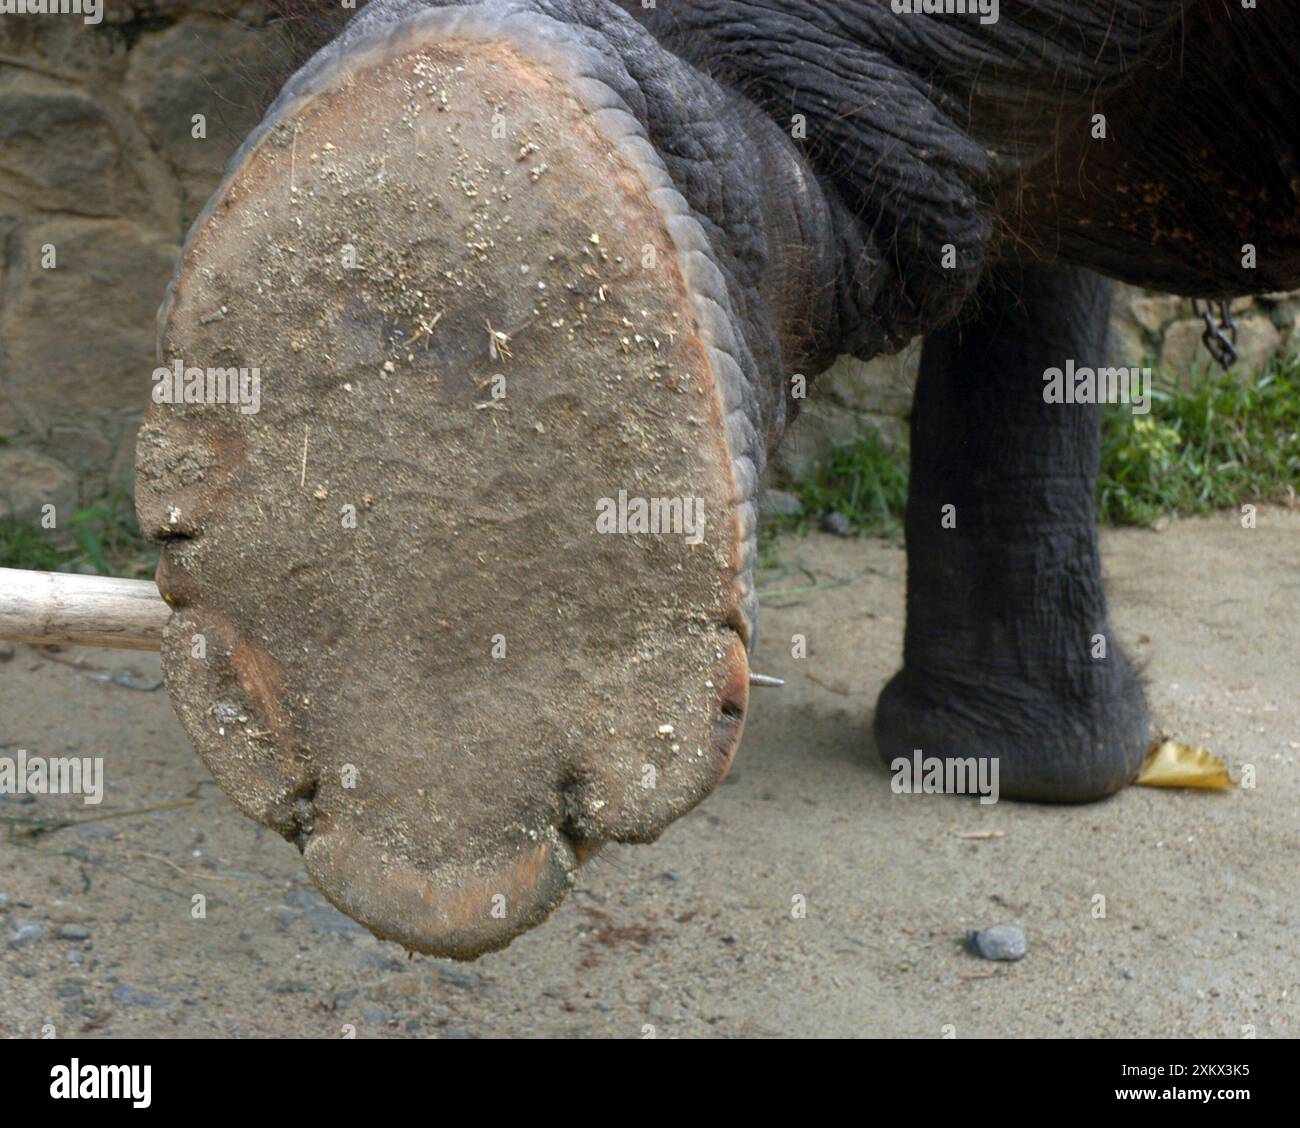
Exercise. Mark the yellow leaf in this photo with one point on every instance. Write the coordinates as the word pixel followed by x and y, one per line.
pixel 1173 764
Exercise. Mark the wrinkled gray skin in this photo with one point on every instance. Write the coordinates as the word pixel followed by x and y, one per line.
pixel 931 133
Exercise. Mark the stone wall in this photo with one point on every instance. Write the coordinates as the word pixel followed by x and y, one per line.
pixel 101 174
pixel 100 177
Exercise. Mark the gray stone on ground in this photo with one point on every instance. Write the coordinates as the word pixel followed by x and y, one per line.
pixel 128 996
pixel 27 932
pixel 779 503
pixel 837 523
pixel 1001 942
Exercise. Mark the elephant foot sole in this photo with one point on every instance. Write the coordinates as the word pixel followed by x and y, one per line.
pixel 1037 749
pixel 466 593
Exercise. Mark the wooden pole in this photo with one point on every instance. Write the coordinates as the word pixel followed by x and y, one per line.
pixel 60 607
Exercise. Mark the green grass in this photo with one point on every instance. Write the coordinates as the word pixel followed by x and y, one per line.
pixel 1227 442
pixel 104 535
pixel 864 480
pixel 27 546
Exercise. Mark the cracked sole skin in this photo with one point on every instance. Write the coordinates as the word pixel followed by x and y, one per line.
pixel 400 636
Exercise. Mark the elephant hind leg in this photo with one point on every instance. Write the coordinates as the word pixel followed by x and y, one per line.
pixel 1009 656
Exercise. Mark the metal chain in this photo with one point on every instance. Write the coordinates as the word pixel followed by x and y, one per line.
pixel 1221 339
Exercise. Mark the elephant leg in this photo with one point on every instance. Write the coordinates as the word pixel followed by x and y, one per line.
pixel 468 592
pixel 1008 653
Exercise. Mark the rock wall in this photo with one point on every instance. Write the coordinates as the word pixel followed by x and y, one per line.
pixel 103 167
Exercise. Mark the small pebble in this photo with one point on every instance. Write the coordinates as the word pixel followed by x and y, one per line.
pixel 779 503
pixel 292 987
pixel 73 932
pixel 128 996
pixel 1001 942
pixel 837 523
pixel 27 932
pixel 329 919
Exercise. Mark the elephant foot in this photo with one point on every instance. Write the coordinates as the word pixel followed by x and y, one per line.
pixel 468 591
pixel 1008 653
pixel 1028 742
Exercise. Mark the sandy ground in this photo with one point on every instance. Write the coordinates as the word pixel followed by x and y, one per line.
pixel 694 936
